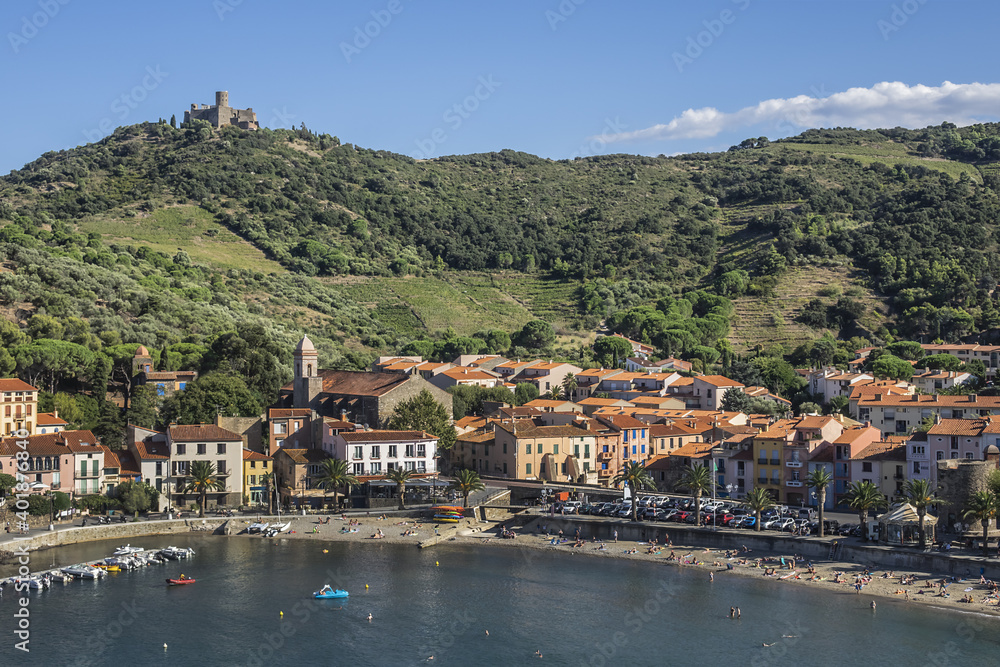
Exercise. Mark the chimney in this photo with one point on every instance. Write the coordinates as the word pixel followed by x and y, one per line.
pixel 973 398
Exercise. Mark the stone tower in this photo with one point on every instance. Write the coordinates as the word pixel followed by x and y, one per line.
pixel 222 98
pixel 308 384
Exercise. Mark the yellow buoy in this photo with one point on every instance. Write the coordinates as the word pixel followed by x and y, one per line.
pixel 366 586
pixel 437 563
pixel 281 613
pixel 326 551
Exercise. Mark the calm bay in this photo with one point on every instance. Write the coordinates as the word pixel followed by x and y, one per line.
pixel 251 605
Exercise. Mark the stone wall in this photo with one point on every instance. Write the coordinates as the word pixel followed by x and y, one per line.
pixel 766 543
pixel 118 531
pixel 958 479
pixel 408 390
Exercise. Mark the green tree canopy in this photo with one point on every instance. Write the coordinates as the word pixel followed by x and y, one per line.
pixel 891 366
pixel 424 413
pixel 209 395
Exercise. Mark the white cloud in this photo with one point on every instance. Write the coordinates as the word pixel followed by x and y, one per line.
pixel 886 104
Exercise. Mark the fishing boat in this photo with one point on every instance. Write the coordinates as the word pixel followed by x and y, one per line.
pixel 277 528
pixel 180 582
pixel 328 593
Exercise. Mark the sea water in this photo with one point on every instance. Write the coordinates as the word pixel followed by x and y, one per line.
pixel 462 605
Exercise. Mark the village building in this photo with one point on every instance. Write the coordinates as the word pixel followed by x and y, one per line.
pixel 297 472
pixel 376 453
pixel 205 442
pixel 359 397
pixel 256 466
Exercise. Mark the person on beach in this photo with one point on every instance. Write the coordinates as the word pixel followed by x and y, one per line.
pixel 616 536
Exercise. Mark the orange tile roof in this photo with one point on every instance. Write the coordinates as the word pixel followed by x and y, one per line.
pixel 386 436
pixel 304 455
pixel 151 450
pixel 882 451
pixel 285 413
pixel 48 419
pixel 250 455
pixel 193 432
pixel 693 449
pixel 14 384
pixel 720 381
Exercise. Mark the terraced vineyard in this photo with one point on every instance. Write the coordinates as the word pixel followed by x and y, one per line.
pixel 766 322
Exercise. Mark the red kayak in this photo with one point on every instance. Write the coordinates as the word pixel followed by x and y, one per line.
pixel 179 582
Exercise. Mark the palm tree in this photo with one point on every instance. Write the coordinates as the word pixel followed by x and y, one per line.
pixel 819 479
pixel 202 479
pixel 697 479
pixel 399 476
pixel 332 475
pixel 757 501
pixel 635 476
pixel 569 385
pixel 268 480
pixel 466 482
pixel 982 506
pixel 920 494
pixel 862 497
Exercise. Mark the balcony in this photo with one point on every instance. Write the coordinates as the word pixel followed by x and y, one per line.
pixel 762 480
pixel 776 462
pixel 793 464
pixel 793 483
pixel 762 461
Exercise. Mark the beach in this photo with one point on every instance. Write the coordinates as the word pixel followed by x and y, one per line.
pixel 870 583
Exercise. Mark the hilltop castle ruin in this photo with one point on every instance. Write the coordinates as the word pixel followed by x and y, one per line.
pixel 221 114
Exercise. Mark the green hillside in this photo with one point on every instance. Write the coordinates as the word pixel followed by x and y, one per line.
pixel 168 236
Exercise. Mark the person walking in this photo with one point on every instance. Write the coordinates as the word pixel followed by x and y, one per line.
pixel 616 536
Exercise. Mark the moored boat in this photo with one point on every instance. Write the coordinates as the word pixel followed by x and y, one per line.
pixel 180 582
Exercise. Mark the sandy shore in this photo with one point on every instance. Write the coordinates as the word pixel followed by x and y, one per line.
pixel 904 586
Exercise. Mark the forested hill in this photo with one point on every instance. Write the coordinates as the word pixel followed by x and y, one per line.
pixel 161 235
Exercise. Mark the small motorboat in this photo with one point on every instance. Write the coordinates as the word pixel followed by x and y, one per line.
pixel 84 571
pixel 126 550
pixel 180 582
pixel 107 567
pixel 328 593
pixel 176 553
pixel 257 527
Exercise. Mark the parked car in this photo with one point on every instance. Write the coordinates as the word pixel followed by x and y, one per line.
pixel 667 514
pixel 721 518
pixel 682 515
pixel 779 524
pixel 749 521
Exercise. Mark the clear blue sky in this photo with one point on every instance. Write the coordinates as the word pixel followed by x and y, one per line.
pixel 548 77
